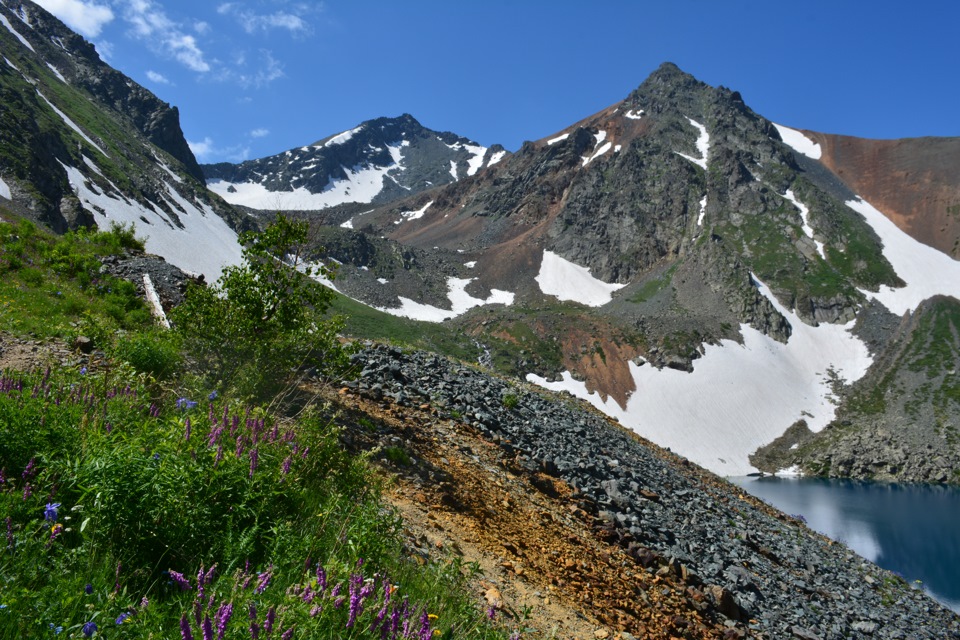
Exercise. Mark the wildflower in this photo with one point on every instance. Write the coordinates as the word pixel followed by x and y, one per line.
pixel 286 465
pixel 123 617
pixel 29 470
pixel 254 627
pixel 212 396
pixel 207 628
pixel 270 619
pixel 9 532
pixel 185 633
pixel 88 589
pixel 254 457
pixel 56 629
pixel 180 579
pixel 491 612
pixel 316 609
pixel 223 617
pixel 263 581
pixel 287 634
pixel 186 429
pixel 515 635
pixel 425 632
pixel 321 578
pixel 83 371
pixel 185 404
pixel 55 530
pixel 144 603
pixel 50 512
pixel 89 629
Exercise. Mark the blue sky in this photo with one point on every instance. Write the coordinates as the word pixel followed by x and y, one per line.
pixel 255 77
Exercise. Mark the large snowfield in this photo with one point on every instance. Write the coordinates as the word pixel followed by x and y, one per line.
pixel 740 397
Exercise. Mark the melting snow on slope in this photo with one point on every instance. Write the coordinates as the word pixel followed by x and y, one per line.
pixel 205 244
pixel 362 185
pixel 57 73
pixel 559 138
pixel 495 158
pixel 600 147
pixel 703 210
pixel 738 397
pixel 805 217
pixel 413 215
pixel 703 145
pixel 634 115
pixel 799 142
pixel 73 125
pixel 568 281
pixel 5 190
pixel 460 302
pixel 926 271
pixel 453 169
pixel 340 138
pixel 6 23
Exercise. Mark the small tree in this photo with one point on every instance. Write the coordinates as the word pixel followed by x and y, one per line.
pixel 264 320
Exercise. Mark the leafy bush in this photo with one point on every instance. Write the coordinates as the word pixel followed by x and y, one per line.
pixel 153 352
pixel 263 320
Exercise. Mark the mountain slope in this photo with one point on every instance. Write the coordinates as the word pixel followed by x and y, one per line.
pixel 675 258
pixel 82 145
pixel 377 161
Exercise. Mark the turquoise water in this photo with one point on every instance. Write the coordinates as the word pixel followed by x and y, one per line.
pixel 911 529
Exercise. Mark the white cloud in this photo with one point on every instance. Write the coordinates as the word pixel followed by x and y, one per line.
pixel 202 27
pixel 201 149
pixel 150 23
pixel 85 16
pixel 206 149
pixel 159 78
pixel 270 69
pixel 259 133
pixel 251 22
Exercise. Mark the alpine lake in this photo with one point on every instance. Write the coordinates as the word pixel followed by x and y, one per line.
pixel 911 529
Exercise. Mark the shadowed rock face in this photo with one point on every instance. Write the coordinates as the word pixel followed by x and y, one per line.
pixel 912 181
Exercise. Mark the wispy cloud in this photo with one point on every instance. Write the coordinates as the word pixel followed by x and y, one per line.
pixel 251 21
pixel 150 23
pixel 268 70
pixel 259 133
pixel 206 150
pixel 86 16
pixel 159 78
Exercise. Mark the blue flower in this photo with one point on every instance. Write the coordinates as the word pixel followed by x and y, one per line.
pixel 122 617
pixel 83 371
pixel 89 628
pixel 56 629
pixel 212 396
pixel 185 404
pixel 88 589
pixel 50 512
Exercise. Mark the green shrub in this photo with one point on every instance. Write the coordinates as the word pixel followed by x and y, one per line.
pixel 153 352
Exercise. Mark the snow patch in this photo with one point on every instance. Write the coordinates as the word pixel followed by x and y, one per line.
pixel 926 271
pixel 600 147
pixel 340 138
pixel 805 217
pixel 382 280
pixel 738 397
pixel 703 210
pixel 460 302
pixel 471 264
pixel 568 281
pixel 703 145
pixel 634 115
pixel 559 138
pixel 6 23
pixel 167 169
pixel 348 224
pixel 11 65
pixel 202 243
pixel 495 158
pixel 453 169
pixel 361 185
pixel 5 190
pixel 617 148
pixel 799 142
pixel 154 300
pixel 476 161
pixel 57 73
pixel 73 125
pixel 413 215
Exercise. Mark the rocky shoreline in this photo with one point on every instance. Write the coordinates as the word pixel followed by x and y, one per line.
pixel 765 572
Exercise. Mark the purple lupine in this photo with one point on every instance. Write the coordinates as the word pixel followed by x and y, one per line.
pixel 223 617
pixel 336 590
pixel 116 576
pixel 219 457
pixel 254 457
pixel 186 429
pixel 214 436
pixel 207 628
pixel 285 469
pixel 308 595
pixel 321 578
pixel 263 581
pixel 185 633
pixel 200 591
pixel 315 610
pixel 254 627
pixel 239 449
pixel 27 491
pixel 9 532
pixel 303 455
pixel 180 580
pixel 269 620
pixel 287 634
pixel 425 632
pixel 30 469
